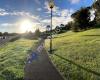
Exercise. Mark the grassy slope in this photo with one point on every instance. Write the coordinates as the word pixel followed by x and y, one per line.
pixel 83 48
pixel 12 59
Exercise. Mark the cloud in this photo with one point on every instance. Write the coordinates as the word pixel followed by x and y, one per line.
pixel 57 11
pixel 67 12
pixel 9 27
pixel 38 2
pixel 60 16
pixel 64 17
pixel 7 24
pixel 39 9
pixel 24 14
pixel 35 19
pixel 46 5
pixel 61 20
pixel 16 27
pixel 74 1
pixel 3 12
pixel 92 15
pixel 56 21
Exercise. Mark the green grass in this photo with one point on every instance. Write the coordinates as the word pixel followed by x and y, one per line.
pixel 83 48
pixel 13 57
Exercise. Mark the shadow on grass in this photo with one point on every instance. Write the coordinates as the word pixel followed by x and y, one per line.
pixel 79 66
pixel 61 36
pixel 91 35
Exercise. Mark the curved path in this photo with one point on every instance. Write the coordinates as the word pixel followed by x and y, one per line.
pixel 39 66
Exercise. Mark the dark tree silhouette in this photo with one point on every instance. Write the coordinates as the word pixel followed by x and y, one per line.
pixel 69 25
pixel 81 19
pixel 37 33
pixel 96 6
pixel 5 34
pixel 1 34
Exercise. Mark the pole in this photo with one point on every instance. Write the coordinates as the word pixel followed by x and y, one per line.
pixel 51 34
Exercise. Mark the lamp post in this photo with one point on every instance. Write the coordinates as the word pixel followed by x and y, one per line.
pixel 51 5
pixel 48 28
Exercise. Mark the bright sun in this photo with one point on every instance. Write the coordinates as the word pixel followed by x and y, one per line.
pixel 26 25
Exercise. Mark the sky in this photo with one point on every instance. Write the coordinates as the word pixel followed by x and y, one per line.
pixel 16 15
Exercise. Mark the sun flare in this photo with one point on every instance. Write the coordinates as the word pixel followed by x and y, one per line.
pixel 26 25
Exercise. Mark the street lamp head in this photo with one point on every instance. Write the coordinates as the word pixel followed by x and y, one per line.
pixel 48 28
pixel 51 4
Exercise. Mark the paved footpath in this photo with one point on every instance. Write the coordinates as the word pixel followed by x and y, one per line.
pixel 39 66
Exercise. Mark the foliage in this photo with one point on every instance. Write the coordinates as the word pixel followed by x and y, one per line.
pixel 81 18
pixel 15 38
pixel 37 33
pixel 75 27
pixel 5 33
pixel 13 34
pixel 1 34
pixel 69 25
pixel 13 57
pixel 96 6
pixel 28 35
pixel 83 48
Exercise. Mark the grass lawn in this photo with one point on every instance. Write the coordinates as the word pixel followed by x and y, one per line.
pixel 13 57
pixel 83 48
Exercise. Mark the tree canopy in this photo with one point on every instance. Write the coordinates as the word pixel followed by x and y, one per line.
pixel 81 18
pixel 96 6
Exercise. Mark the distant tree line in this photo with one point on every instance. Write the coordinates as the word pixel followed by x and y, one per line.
pixel 32 35
pixel 7 34
pixel 28 35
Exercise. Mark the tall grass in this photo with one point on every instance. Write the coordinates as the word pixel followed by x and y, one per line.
pixel 13 57
pixel 83 48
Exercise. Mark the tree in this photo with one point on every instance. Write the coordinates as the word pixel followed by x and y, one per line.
pixel 5 34
pixel 69 25
pixel 75 27
pixel 81 19
pixel 96 6
pixel 93 23
pixel 37 33
pixel 1 34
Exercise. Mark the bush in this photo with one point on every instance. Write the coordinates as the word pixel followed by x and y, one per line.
pixel 97 26
pixel 14 39
pixel 75 27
